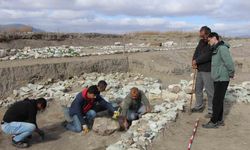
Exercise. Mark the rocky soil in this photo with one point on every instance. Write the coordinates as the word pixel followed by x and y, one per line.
pixel 59 66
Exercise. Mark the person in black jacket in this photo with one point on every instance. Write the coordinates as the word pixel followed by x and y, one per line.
pixel 81 109
pixel 20 120
pixel 202 62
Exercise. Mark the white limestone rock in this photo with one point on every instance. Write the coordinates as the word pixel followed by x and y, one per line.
pixel 174 88
pixel 105 126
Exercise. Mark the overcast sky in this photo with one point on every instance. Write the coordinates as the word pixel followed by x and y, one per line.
pixel 228 17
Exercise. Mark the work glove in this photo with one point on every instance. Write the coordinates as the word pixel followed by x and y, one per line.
pixel 116 115
pixel 85 129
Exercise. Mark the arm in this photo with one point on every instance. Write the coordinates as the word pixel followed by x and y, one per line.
pixel 32 119
pixel 32 115
pixel 105 104
pixel 206 57
pixel 195 55
pixel 228 61
pixel 77 107
pixel 125 106
pixel 145 101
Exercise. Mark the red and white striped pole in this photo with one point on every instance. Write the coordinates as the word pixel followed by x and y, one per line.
pixel 194 132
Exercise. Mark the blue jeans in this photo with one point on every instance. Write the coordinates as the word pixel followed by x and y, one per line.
pixel 20 130
pixel 76 126
pixel 135 114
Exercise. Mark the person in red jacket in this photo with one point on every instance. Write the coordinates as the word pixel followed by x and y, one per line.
pixel 81 110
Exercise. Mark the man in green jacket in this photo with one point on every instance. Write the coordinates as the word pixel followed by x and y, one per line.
pixel 135 105
pixel 222 70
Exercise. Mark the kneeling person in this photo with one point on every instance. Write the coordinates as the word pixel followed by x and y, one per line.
pixel 20 121
pixel 135 105
pixel 81 110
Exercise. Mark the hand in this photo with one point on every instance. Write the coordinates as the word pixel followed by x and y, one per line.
pixel 194 62
pixel 41 134
pixel 116 114
pixel 194 65
pixel 123 123
pixel 148 109
pixel 85 129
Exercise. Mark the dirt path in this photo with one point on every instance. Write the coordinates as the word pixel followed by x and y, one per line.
pixel 233 136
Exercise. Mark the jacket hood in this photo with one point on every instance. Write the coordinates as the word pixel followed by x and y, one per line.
pixel 220 43
pixel 84 94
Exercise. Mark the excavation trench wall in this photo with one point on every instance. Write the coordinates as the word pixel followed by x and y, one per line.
pixel 16 74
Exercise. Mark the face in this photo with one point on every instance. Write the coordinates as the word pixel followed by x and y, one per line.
pixel 40 108
pixel 202 34
pixel 212 41
pixel 101 88
pixel 91 96
pixel 134 94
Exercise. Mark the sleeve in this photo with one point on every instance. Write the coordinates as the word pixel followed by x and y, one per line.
pixel 204 58
pixel 125 106
pixel 195 55
pixel 77 108
pixel 32 115
pixel 144 99
pixel 105 104
pixel 80 115
pixel 228 61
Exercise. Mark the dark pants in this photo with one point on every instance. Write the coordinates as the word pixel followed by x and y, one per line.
pixel 220 89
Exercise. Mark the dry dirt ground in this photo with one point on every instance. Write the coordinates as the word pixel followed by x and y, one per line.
pixel 233 136
pixel 57 138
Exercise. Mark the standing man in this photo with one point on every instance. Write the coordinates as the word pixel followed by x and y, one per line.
pixel 222 71
pixel 202 62
pixel 20 121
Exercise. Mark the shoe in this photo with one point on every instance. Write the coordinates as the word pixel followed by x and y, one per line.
pixel 210 125
pixel 64 124
pixel 200 110
pixel 20 144
pixel 29 137
pixel 209 115
pixel 221 123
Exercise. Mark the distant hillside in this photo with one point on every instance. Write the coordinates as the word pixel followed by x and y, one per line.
pixel 18 28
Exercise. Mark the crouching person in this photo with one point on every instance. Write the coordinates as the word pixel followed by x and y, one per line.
pixel 20 121
pixel 81 110
pixel 135 105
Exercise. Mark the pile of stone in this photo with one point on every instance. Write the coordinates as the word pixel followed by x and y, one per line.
pixel 239 93
pixel 119 85
pixel 83 51
pixel 142 132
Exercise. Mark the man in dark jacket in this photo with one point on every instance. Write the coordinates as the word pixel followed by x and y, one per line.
pixel 81 110
pixel 20 121
pixel 202 62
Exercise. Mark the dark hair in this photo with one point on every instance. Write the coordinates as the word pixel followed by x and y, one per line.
pixel 214 34
pixel 206 29
pixel 42 101
pixel 102 83
pixel 93 90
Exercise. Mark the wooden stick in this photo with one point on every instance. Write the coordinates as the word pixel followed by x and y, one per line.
pixel 193 88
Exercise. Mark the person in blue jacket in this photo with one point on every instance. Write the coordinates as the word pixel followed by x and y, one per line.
pixel 81 110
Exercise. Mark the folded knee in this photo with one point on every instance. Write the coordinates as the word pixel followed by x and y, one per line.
pixel 91 114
